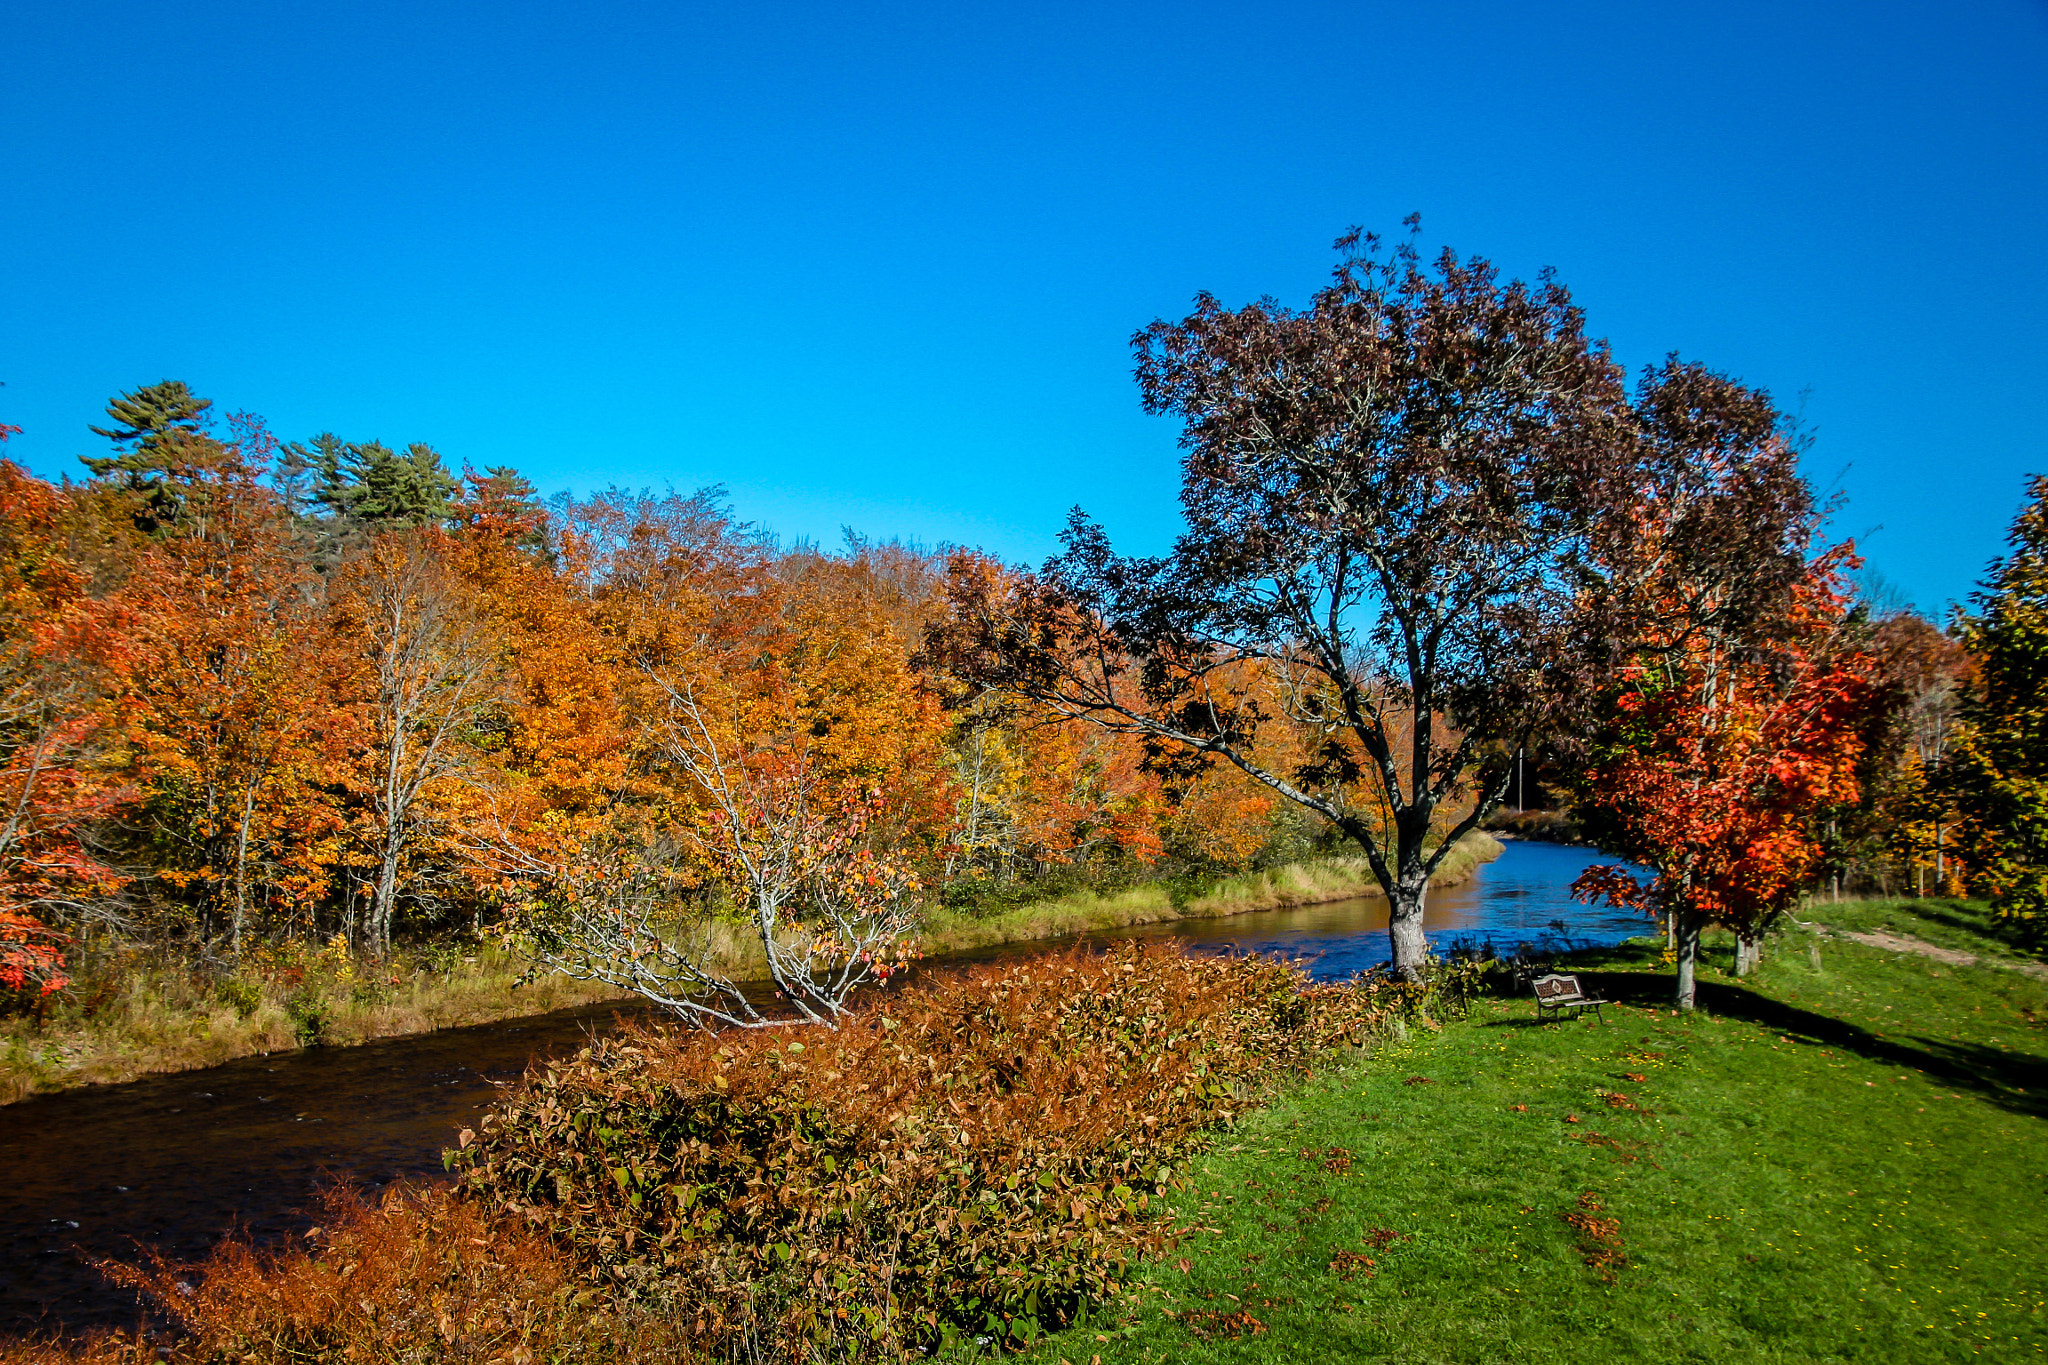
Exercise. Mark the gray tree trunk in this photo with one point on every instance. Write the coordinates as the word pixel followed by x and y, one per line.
pixel 1404 925
pixel 1748 953
pixel 242 867
pixel 381 906
pixel 1688 959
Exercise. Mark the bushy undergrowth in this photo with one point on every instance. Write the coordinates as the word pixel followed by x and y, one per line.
pixel 418 1277
pixel 978 1155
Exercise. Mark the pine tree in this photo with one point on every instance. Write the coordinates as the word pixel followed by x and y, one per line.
pixel 162 448
pixel 148 420
pixel 383 486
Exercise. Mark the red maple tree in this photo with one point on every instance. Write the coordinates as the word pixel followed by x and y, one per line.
pixel 1719 764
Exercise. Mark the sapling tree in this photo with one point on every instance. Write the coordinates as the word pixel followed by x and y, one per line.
pixel 760 817
pixel 787 857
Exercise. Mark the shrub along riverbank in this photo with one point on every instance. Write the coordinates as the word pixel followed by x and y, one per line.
pixel 971 1159
pixel 139 1017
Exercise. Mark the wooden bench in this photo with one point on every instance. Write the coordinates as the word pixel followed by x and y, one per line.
pixel 1559 992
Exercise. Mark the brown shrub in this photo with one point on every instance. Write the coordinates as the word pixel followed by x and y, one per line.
pixel 419 1277
pixel 979 1153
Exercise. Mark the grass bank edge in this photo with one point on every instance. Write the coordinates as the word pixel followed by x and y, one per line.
pixel 164 1021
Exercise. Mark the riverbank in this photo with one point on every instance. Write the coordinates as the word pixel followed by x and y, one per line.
pixel 1333 879
pixel 1837 1158
pixel 153 1017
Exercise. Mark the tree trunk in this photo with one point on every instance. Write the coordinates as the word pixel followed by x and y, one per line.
pixel 1748 952
pixel 380 907
pixel 1404 926
pixel 242 867
pixel 1688 959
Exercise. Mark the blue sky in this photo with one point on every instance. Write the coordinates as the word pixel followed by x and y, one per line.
pixel 878 265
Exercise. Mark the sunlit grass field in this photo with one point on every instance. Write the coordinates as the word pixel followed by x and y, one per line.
pixel 1841 1158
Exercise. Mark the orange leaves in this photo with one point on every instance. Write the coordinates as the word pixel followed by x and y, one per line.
pixel 232 706
pixel 1723 760
pixel 31 953
pixel 60 653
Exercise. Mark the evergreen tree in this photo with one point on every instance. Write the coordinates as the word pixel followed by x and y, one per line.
pixel 162 450
pixel 1999 773
pixel 385 487
pixel 149 420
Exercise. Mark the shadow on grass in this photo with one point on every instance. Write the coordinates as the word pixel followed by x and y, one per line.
pixel 1631 974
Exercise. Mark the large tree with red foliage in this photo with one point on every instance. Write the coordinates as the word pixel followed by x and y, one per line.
pixel 1719 764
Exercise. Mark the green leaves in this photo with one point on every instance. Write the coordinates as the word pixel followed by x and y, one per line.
pixel 1999 771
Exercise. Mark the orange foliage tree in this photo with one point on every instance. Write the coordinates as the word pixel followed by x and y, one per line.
pixel 1717 767
pixel 61 655
pixel 231 706
pixel 785 769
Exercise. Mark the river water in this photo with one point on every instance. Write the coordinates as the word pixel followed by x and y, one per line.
pixel 175 1162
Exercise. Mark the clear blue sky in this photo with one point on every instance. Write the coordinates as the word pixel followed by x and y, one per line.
pixel 877 265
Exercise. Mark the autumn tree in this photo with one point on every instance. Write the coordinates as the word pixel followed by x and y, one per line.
pixel 1999 771
pixel 231 706
pixel 783 741
pixel 1395 504
pixel 429 677
pixel 1740 705
pixel 1718 767
pixel 555 756
pixel 1909 814
pixel 62 654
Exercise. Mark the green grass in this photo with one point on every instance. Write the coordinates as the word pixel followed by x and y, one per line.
pixel 1841 1158
pixel 1955 925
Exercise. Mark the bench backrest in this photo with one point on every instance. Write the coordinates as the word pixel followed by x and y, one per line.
pixel 1557 987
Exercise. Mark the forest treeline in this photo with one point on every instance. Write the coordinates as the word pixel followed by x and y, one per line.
pixel 339 693
pixel 336 693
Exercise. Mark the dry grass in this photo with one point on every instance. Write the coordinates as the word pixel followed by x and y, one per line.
pixel 151 1016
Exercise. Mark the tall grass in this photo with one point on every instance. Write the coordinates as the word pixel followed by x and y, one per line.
pixel 136 1015
pixel 1281 888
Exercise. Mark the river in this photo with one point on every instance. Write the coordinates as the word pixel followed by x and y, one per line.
pixel 174 1162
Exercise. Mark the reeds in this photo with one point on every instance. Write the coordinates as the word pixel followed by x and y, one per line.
pixel 1282 888
pixel 138 1015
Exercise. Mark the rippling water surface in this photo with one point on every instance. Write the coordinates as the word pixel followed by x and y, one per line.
pixel 174 1162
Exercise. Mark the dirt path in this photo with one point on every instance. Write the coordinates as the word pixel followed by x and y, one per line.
pixel 1903 943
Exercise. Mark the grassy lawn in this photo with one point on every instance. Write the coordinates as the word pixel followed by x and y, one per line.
pixel 1843 1158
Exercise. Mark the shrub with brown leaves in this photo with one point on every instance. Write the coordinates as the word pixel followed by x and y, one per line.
pixel 417 1278
pixel 979 1153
